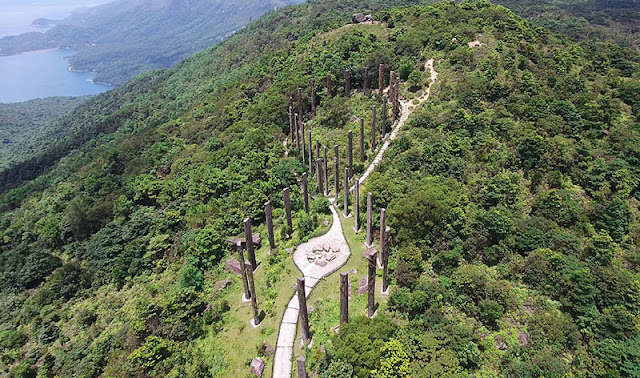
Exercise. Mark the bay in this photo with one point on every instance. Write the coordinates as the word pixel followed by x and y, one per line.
pixel 41 74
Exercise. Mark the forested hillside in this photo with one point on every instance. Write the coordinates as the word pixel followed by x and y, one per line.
pixel 123 38
pixel 29 127
pixel 584 19
pixel 512 195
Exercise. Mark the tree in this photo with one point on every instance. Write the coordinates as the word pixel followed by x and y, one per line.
pixel 394 362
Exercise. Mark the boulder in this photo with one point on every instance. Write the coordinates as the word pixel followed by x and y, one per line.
pixel 321 263
pixel 500 344
pixel 223 284
pixel 523 338
pixel 268 350
pixel 234 267
pixel 257 366
pixel 358 18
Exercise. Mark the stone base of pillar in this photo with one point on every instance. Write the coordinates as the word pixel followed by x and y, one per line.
pixel 257 267
pixel 379 264
pixel 245 299
pixel 356 230
pixel 385 292
pixel 346 216
pixel 368 245
pixel 254 325
pixel 366 313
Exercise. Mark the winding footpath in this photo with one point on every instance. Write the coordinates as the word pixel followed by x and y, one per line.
pixel 334 239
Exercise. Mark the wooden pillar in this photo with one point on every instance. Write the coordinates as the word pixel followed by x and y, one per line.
pixel 383 225
pixel 243 269
pixel 344 298
pixel 381 79
pixel 304 147
pixel 350 152
pixel 312 84
pixel 304 316
pixel 356 206
pixel 319 176
pixel 300 102
pixel 292 136
pixel 362 140
pixel 311 154
pixel 384 116
pixel 305 191
pixel 329 94
pixel 287 206
pixel 269 220
pixel 297 130
pixel 302 367
pixel 317 148
pixel 371 286
pixel 254 301
pixel 369 220
pixel 326 170
pixel 373 129
pixel 346 192
pixel 336 179
pixel 347 83
pixel 385 260
pixel 248 234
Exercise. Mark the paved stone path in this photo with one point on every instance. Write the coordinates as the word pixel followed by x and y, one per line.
pixel 334 240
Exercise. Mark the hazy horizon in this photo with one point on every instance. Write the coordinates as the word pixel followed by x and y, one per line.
pixel 16 16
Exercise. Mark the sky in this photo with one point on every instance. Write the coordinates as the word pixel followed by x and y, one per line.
pixel 16 16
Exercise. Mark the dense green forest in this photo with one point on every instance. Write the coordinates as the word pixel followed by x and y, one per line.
pixel 122 38
pixel 617 20
pixel 512 195
pixel 28 128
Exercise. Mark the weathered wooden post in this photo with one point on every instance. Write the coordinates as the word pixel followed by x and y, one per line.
pixel 304 147
pixel 369 242
pixel 304 315
pixel 346 192
pixel 248 234
pixel 302 367
pixel 385 261
pixel 350 151
pixel 336 180
pixel 356 206
pixel 384 116
pixel 243 269
pixel 347 83
pixel 287 206
pixel 295 124
pixel 311 154
pixel 254 301
pixel 300 102
pixel 329 94
pixel 305 191
pixel 319 176
pixel 317 148
pixel 269 220
pixel 291 129
pixel 326 170
pixel 381 79
pixel 371 285
pixel 313 96
pixel 362 140
pixel 373 129
pixel 344 298
pixel 383 225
